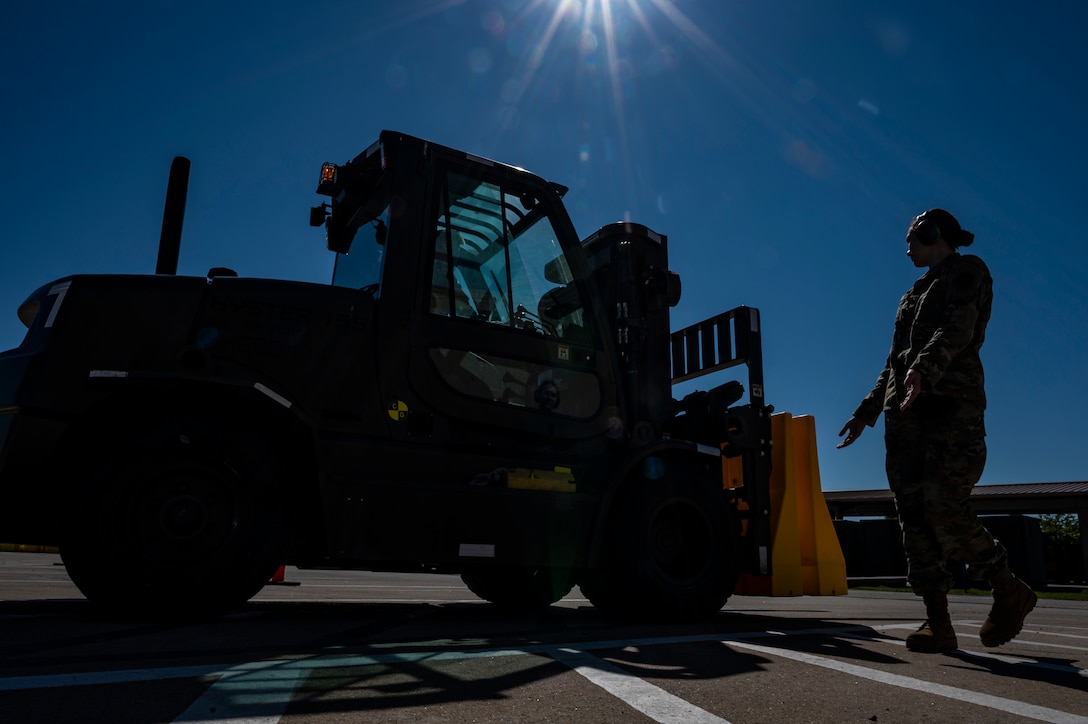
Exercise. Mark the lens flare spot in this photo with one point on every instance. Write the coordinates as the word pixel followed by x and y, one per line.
pixel 808 159
pixel 588 43
pixel 396 76
pixel 479 60
pixel 509 118
pixel 493 22
pixel 804 90
pixel 511 91
pixel 869 107
pixel 516 44
pixel 661 60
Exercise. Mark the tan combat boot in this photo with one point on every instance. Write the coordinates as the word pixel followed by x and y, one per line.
pixel 1013 600
pixel 936 634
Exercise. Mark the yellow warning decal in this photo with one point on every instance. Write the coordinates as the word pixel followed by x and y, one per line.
pixel 560 479
pixel 398 411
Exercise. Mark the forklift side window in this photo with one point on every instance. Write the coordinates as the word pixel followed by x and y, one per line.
pixel 497 260
pixel 362 267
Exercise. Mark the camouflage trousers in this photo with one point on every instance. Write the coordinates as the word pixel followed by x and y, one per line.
pixel 936 451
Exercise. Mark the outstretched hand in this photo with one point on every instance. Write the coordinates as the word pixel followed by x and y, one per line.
pixel 852 429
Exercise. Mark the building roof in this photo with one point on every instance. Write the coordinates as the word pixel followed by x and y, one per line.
pixel 1032 498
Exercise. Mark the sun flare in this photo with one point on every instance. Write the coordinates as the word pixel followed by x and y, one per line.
pixel 604 50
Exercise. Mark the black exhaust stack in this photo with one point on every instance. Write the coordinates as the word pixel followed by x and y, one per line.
pixel 173 215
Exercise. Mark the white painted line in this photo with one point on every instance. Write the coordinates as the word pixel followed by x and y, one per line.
pixel 1037 632
pixel 1045 645
pixel 247 695
pixel 100 678
pixel 349 599
pixel 458 587
pixel 642 696
pixel 259 692
pixel 19 683
pixel 1034 631
pixel 1045 633
pixel 1018 639
pixel 1031 663
pixel 1010 706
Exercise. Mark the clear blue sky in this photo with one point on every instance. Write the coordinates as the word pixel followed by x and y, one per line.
pixel 782 146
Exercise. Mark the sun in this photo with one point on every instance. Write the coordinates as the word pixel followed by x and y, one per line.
pixel 602 49
pixel 599 20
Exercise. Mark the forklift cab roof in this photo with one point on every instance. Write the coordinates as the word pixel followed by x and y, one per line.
pixel 360 190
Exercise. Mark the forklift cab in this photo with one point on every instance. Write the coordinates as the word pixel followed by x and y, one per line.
pixel 490 312
pixel 499 348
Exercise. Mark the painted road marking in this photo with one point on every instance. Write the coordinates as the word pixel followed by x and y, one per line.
pixel 653 701
pixel 102 678
pixel 259 692
pixel 95 678
pixel 1028 663
pixel 1019 637
pixel 256 695
pixel 1010 706
pixel 1062 668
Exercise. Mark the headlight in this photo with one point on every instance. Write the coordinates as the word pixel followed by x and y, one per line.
pixel 28 310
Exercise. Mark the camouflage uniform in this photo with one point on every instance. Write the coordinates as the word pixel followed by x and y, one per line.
pixel 936 448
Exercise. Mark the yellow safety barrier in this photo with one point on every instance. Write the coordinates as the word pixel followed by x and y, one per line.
pixel 806 558
pixel 19 548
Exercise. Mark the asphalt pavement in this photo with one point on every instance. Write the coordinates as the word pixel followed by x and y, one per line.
pixel 336 646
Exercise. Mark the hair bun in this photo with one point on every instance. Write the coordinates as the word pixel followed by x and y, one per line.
pixel 948 226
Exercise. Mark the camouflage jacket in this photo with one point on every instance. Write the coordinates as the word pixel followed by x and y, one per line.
pixel 939 329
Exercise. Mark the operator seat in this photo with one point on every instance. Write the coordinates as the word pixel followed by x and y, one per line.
pixel 440 297
pixel 556 310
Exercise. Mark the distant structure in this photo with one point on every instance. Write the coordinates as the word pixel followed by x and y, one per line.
pixel 1018 498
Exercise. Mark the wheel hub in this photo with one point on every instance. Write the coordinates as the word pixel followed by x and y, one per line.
pixel 185 514
pixel 183 517
pixel 679 541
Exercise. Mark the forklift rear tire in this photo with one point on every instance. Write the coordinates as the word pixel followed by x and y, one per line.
pixel 183 523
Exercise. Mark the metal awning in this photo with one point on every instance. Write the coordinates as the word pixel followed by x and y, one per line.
pixel 1023 498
